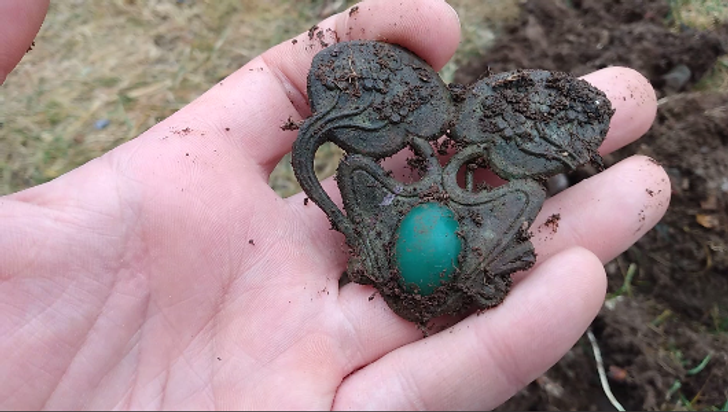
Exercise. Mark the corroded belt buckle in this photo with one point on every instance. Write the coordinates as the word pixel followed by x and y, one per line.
pixel 439 246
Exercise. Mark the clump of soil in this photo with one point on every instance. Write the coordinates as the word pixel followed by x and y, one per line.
pixel 656 335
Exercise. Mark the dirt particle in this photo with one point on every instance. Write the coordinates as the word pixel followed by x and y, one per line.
pixel 654 161
pixel 710 203
pixel 334 34
pixel 553 222
pixel 312 31
pixel 433 194
pixel 305 201
pixel 476 217
pixel 353 11
pixel 417 164
pixel 252 242
pixel 290 125
pixel 320 37
pixel 182 132
pixel 650 192
pixel 32 44
pixel 460 91
pixel 294 41
pixel 227 129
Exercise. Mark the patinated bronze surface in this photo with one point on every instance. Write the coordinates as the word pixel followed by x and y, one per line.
pixel 375 99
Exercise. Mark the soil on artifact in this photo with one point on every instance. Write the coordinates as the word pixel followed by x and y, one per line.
pixel 664 339
pixel 373 100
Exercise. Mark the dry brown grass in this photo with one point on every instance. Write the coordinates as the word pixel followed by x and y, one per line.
pixel 132 63
pixel 700 14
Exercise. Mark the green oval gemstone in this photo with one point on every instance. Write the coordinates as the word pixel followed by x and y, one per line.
pixel 427 247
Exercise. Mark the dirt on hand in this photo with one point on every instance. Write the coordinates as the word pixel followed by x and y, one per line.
pixel 663 339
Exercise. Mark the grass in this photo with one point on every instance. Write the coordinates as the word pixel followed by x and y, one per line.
pixel 128 64
pixel 704 15
pixel 626 287
pixel 700 14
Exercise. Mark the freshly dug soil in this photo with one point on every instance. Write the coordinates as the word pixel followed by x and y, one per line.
pixel 656 335
pixel 590 35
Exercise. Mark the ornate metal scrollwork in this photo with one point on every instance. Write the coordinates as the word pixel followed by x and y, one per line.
pixel 439 246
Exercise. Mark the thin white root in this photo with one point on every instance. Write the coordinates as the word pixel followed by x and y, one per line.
pixel 602 374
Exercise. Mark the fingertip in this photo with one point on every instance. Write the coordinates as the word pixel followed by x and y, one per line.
pixel 569 285
pixel 552 307
pixel 645 187
pixel 606 213
pixel 454 14
pixel 588 279
pixel 273 87
pixel 19 24
pixel 429 28
pixel 633 99
pixel 657 187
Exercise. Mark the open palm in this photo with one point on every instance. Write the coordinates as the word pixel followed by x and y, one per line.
pixel 167 273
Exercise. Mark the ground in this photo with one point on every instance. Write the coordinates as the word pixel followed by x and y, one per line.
pixel 662 331
pixel 101 73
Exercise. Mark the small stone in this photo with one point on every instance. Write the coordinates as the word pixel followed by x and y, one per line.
pixel 677 78
pixel 101 124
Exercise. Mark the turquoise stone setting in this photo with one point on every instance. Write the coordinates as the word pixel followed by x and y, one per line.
pixel 427 247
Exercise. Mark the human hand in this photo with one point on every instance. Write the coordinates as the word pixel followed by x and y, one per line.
pixel 19 23
pixel 167 273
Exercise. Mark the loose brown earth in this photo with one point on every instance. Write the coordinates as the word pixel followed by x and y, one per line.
pixel 674 311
